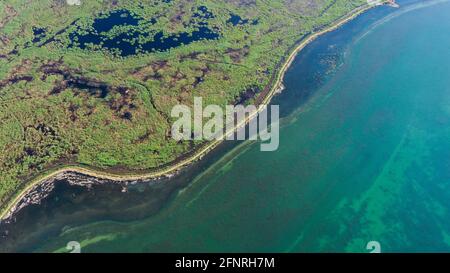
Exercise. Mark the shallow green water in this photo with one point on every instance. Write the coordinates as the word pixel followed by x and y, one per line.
pixel 367 158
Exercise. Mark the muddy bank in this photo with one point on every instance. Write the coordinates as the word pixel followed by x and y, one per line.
pixel 42 190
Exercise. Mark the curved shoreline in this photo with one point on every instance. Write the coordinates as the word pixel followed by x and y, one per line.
pixel 10 208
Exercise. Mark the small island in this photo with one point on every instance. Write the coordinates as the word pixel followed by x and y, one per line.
pixel 87 86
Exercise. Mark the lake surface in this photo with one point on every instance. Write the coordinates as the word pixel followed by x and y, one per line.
pixel 364 156
pixel 130 29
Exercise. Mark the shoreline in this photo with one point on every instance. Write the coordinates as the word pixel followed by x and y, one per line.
pixel 50 176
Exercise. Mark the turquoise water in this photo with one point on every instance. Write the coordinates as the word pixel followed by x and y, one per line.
pixel 365 158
